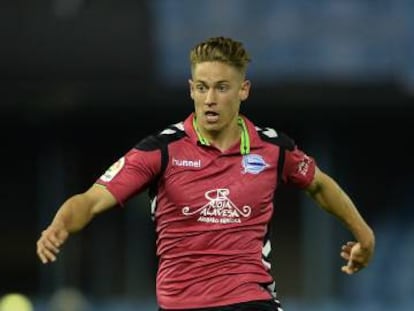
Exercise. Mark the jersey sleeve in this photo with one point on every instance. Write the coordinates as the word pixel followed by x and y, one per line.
pixel 132 173
pixel 299 168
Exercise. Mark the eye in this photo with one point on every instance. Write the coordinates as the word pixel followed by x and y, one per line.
pixel 201 88
pixel 223 87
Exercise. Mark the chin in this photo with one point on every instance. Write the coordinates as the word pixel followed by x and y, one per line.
pixel 212 127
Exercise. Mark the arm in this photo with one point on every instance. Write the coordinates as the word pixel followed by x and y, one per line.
pixel 329 195
pixel 74 214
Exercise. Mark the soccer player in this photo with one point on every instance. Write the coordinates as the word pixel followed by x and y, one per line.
pixel 212 180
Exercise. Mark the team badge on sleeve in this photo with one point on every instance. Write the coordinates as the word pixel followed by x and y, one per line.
pixel 303 166
pixel 113 170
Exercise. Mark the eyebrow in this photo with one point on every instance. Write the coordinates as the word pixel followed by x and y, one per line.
pixel 218 82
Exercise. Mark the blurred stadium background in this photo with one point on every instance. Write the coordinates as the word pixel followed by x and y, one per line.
pixel 83 80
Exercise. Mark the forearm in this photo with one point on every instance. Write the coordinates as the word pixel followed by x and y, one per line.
pixel 334 200
pixel 74 214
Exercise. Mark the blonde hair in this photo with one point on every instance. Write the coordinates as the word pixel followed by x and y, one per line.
pixel 220 49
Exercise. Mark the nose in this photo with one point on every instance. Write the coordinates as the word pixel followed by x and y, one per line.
pixel 210 97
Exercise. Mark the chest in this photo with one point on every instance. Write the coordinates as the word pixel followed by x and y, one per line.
pixel 197 177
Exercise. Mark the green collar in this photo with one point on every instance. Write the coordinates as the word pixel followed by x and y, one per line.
pixel 244 139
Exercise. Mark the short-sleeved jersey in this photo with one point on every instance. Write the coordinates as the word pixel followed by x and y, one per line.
pixel 212 210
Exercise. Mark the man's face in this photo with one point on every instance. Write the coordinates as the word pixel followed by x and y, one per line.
pixel 217 90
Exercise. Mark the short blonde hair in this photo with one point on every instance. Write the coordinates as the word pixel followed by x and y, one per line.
pixel 221 49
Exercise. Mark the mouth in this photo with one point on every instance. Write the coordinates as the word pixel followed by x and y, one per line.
pixel 211 116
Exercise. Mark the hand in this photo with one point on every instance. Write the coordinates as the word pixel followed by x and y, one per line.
pixel 49 243
pixel 357 257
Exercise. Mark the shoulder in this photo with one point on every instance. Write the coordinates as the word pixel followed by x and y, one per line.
pixel 275 137
pixel 162 138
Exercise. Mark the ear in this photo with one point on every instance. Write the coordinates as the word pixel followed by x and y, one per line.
pixel 244 90
pixel 191 85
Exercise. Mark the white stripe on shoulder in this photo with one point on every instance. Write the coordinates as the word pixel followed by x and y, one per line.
pixel 168 131
pixel 271 133
pixel 172 129
pixel 179 125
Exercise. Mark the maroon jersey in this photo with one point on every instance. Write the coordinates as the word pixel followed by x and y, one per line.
pixel 211 208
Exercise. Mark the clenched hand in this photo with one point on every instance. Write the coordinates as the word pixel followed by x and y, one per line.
pixel 356 256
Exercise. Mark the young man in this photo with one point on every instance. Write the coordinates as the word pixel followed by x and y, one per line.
pixel 212 180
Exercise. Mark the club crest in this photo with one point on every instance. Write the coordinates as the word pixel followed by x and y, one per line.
pixel 253 163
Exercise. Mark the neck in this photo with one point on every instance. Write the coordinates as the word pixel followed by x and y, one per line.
pixel 226 137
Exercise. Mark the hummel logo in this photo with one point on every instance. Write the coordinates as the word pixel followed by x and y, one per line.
pixel 187 163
